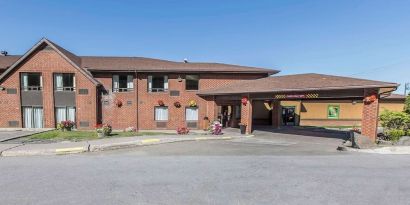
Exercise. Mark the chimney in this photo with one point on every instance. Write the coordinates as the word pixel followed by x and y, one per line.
pixel 3 53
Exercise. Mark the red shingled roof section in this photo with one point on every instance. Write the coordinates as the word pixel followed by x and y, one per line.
pixel 7 61
pixel 299 82
pixel 395 96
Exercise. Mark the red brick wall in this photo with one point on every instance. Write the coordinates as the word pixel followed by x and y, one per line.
pixel 141 113
pixel 118 117
pixel 370 115
pixel 47 62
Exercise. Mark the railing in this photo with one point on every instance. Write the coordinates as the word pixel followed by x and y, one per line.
pixel 65 89
pixel 122 89
pixel 30 88
pixel 155 90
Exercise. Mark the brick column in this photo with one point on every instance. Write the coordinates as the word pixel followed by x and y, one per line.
pixel 48 100
pixel 246 115
pixel 275 114
pixel 370 115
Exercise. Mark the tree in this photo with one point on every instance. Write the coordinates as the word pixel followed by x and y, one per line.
pixel 407 105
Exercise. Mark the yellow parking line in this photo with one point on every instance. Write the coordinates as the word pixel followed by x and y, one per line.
pixel 71 149
pixel 150 140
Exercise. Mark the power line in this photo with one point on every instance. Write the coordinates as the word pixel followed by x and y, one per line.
pixel 380 67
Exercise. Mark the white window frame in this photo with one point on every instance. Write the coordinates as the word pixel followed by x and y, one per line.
pixel 190 118
pixel 116 83
pixel 166 114
pixel 154 90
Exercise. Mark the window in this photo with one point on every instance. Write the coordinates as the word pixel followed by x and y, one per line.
pixel 31 81
pixel 122 83
pixel 65 113
pixel 191 82
pixel 64 82
pixel 157 83
pixel 333 111
pixel 32 117
pixel 161 113
pixel 191 114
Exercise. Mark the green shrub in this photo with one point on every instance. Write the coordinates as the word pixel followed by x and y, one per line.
pixel 394 120
pixel 407 105
pixel 395 134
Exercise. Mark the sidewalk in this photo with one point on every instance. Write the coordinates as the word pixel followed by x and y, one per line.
pixel 8 150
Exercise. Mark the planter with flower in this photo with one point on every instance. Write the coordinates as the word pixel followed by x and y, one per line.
pixel 161 103
pixel 66 125
pixel 103 130
pixel 118 102
pixel 216 128
pixel 177 104
pixel 182 130
pixel 192 103
pixel 370 99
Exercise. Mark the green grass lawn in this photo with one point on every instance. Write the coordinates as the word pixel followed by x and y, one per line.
pixel 57 135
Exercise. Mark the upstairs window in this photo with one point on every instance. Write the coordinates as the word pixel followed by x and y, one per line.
pixel 157 83
pixel 31 81
pixel 122 83
pixel 64 82
pixel 191 82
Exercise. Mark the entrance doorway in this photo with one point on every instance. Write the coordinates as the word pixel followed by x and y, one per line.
pixel 229 115
pixel 288 115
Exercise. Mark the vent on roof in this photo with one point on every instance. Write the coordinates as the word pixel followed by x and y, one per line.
pixel 185 60
pixel 4 53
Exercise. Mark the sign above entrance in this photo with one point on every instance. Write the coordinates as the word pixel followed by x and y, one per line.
pixel 296 96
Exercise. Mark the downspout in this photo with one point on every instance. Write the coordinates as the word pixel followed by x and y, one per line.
pixel 136 98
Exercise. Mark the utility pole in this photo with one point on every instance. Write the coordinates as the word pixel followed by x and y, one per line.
pixel 406 87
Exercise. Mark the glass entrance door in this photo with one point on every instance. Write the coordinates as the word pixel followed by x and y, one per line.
pixel 288 115
pixel 33 117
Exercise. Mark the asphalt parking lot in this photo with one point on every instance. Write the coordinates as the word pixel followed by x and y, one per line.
pixel 264 142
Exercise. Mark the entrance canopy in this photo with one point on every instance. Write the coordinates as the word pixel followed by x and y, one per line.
pixel 305 87
pixel 300 83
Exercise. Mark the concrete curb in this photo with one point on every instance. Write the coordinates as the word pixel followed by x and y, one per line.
pixel 100 145
pixel 383 150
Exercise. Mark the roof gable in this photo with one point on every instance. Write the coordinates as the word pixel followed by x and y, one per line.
pixel 68 56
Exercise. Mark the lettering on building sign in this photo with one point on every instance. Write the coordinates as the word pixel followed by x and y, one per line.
pixel 296 96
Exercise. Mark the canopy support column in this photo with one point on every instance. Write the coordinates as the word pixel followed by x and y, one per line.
pixel 370 115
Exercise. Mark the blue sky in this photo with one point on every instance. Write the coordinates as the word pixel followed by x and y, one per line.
pixel 365 39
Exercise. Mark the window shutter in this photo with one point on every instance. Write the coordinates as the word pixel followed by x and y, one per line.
pixel 130 84
pixel 166 82
pixel 150 83
pixel 116 82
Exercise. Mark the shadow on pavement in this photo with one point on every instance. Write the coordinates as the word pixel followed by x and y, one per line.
pixel 305 131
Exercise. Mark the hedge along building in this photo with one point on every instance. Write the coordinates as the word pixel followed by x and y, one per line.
pixel 49 84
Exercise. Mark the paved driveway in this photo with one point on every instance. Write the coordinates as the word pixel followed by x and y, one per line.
pixel 264 143
pixel 8 135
